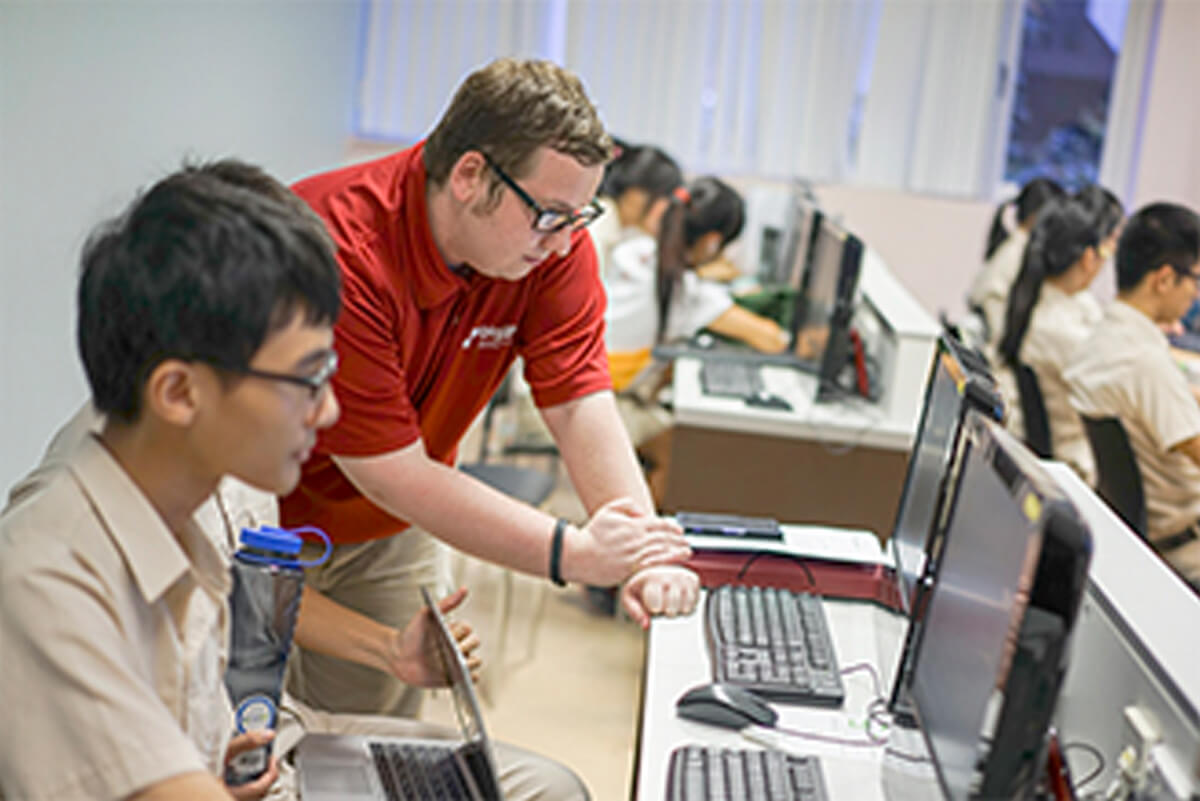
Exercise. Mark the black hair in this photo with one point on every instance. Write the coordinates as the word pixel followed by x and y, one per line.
pixel 1106 209
pixel 1158 235
pixel 1064 230
pixel 708 204
pixel 1029 202
pixel 642 167
pixel 198 269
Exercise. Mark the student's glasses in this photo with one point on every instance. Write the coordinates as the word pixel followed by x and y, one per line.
pixel 316 383
pixel 548 221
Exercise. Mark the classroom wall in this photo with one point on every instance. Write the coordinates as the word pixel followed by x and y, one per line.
pixel 97 99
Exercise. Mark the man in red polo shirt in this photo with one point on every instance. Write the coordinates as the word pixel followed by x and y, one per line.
pixel 458 255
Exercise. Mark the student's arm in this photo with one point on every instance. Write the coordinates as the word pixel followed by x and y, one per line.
pixel 602 466
pixel 760 333
pixel 327 627
pixel 483 522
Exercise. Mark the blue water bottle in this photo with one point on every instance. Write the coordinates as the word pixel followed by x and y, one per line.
pixel 268 577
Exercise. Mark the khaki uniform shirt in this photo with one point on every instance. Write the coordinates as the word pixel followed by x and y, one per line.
pixel 1125 370
pixel 990 289
pixel 1059 325
pixel 114 638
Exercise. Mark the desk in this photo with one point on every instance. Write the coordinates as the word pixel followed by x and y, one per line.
pixel 676 660
pixel 838 463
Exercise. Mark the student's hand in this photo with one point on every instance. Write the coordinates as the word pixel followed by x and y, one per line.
pixel 664 590
pixel 619 540
pixel 413 656
pixel 252 791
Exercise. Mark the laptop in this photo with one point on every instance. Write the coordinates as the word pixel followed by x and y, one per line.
pixel 342 767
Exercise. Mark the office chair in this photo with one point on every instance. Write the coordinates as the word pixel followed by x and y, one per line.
pixel 529 484
pixel 1033 410
pixel 1118 479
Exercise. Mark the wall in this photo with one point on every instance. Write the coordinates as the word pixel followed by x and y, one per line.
pixel 97 99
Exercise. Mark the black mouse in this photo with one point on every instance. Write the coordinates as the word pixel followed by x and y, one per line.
pixel 765 400
pixel 725 705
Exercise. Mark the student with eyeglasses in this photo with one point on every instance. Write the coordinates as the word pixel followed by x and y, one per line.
pixel 458 255
pixel 1051 311
pixel 1125 370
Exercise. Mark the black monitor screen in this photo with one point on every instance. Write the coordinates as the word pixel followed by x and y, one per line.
pixel 971 625
pixel 818 293
pixel 928 466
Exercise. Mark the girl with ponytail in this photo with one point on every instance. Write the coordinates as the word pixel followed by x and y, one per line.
pixel 634 193
pixel 654 294
pixel 1046 320
pixel 1003 252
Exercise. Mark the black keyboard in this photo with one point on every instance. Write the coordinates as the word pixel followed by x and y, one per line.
pixel 731 379
pixel 721 774
pixel 774 642
pixel 411 771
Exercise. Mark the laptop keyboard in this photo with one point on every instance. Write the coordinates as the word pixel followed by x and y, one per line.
pixel 721 774
pixel 774 642
pixel 731 379
pixel 412 771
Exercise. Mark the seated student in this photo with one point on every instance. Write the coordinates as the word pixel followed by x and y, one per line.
pixel 1125 370
pixel 989 291
pixel 205 328
pixel 1045 322
pixel 654 294
pixel 634 193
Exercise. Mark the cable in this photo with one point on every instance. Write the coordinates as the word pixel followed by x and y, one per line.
pixel 1094 751
pixel 812 581
pixel 826 738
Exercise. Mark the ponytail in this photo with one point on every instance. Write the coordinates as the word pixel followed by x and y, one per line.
pixel 707 205
pixel 1063 231
pixel 1028 202
pixel 998 232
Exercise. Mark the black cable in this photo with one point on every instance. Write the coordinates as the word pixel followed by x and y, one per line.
pixel 1094 751
pixel 812 581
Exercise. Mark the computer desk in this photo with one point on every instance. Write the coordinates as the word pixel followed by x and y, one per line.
pixel 677 659
pixel 839 463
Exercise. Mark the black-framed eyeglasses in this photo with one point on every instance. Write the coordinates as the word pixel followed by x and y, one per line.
pixel 315 383
pixel 548 221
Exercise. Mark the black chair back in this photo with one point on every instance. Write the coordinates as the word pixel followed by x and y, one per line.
pixel 1033 409
pixel 1118 479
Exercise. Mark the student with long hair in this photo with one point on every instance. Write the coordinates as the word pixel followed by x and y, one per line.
pixel 1045 320
pixel 634 193
pixel 654 294
pixel 1005 248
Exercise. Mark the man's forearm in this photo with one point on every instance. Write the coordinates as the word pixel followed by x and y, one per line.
pixel 456 508
pixel 325 626
pixel 596 449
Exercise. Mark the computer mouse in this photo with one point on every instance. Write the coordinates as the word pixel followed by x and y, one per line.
pixel 765 400
pixel 725 705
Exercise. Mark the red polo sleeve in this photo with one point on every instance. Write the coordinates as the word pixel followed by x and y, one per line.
pixel 561 337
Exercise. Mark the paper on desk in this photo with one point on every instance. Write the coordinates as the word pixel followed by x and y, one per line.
pixel 813 542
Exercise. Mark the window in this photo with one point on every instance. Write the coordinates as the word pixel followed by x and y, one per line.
pixel 1064 81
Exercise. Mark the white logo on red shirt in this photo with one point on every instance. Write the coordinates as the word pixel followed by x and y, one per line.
pixel 490 337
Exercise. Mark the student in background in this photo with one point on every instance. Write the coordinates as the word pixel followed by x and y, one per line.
pixel 1125 370
pixel 989 292
pixel 654 294
pixel 634 194
pixel 1045 324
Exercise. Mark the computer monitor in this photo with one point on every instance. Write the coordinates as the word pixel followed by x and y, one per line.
pixel 992 650
pixel 953 386
pixel 835 358
pixel 805 222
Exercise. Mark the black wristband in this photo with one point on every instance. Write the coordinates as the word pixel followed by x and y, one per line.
pixel 556 546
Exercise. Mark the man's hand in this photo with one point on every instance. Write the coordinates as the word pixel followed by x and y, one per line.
pixel 618 541
pixel 664 590
pixel 412 655
pixel 241 743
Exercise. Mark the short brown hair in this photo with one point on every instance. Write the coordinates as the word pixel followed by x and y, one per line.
pixel 509 109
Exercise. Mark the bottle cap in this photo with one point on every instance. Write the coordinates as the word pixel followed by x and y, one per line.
pixel 267 538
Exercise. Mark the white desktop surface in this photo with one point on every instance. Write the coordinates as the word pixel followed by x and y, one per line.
pixel 853 545
pixel 677 660
pixel 847 423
